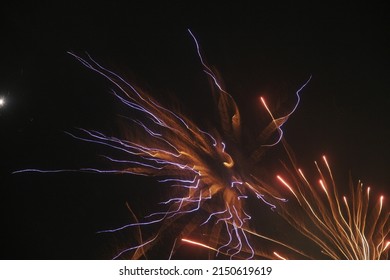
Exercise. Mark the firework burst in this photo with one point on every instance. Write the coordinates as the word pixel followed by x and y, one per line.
pixel 212 174
pixel 344 227
pixel 207 169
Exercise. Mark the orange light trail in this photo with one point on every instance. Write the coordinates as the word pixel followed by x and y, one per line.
pixel 279 256
pixel 196 243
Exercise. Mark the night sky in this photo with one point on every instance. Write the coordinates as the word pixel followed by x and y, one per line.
pixel 258 49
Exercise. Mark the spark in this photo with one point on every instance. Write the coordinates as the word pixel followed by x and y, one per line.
pixel 278 126
pixel 386 246
pixel 196 243
pixel 281 121
pixel 288 186
pixel 279 256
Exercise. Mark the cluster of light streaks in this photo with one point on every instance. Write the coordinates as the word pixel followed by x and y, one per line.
pixel 208 173
pixel 347 227
pixel 213 173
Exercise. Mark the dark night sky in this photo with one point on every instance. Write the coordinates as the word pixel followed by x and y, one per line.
pixel 258 49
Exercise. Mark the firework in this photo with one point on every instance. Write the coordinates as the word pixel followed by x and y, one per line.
pixel 212 174
pixel 354 227
pixel 344 227
pixel 207 169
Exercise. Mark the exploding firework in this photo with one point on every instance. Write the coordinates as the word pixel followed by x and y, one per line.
pixel 344 227
pixel 207 169
pixel 353 227
pixel 214 173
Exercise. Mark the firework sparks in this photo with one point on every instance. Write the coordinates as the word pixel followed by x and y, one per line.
pixel 213 174
pixel 344 228
pixel 207 171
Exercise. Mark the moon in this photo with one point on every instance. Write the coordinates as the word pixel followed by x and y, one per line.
pixel 2 101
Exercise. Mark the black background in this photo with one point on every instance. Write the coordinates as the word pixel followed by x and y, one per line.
pixel 259 49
